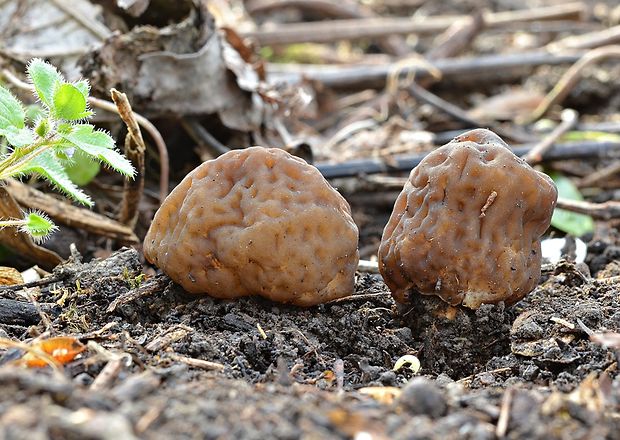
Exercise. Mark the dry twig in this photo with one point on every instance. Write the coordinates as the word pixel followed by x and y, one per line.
pixel 394 45
pixel 569 120
pixel 70 215
pixel 570 79
pixel 134 150
pixel 457 37
pixel 375 75
pixel 591 40
pixel 602 211
pixel 328 31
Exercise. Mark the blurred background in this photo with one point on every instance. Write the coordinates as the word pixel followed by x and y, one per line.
pixel 361 88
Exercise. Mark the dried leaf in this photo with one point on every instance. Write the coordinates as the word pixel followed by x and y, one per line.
pixel 507 106
pixel 57 29
pixel 187 68
pixel 10 276
pixel 62 349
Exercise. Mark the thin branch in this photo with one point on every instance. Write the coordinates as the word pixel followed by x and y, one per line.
pixel 591 40
pixel 375 75
pixel 93 26
pixel 573 150
pixel 202 136
pixel 569 120
pixel 457 38
pixel 570 79
pixel 600 175
pixel 162 149
pixel 461 115
pixel 393 44
pixel 329 31
pixel 601 211
pixel 134 150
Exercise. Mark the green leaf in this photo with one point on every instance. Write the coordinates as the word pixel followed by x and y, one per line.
pixel 64 128
pixel 99 145
pixel 600 136
pixel 69 103
pixel 45 79
pixel 35 112
pixel 11 110
pixel 83 86
pixel 18 137
pixel 49 167
pixel 42 127
pixel 570 222
pixel 38 226
pixel 82 169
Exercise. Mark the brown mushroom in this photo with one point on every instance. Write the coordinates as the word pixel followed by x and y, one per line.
pixel 256 221
pixel 467 225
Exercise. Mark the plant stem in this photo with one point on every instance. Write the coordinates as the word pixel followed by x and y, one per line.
pixel 13 164
pixel 12 223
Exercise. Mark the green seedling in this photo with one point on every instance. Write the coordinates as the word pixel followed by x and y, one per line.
pixel 51 142
pixel 570 222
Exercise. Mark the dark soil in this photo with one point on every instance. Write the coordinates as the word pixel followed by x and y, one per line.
pixel 161 363
pixel 288 372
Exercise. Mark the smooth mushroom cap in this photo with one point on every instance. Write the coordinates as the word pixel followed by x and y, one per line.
pixel 256 221
pixel 467 225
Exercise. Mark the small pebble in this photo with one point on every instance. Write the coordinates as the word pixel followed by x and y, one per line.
pixel 422 396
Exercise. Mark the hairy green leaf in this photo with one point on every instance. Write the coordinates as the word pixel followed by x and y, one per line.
pixel 35 112
pixel 38 226
pixel 83 86
pixel 42 127
pixel 48 166
pixel 11 110
pixel 82 169
pixel 18 137
pixel 69 103
pixel 100 145
pixel 45 79
pixel 570 222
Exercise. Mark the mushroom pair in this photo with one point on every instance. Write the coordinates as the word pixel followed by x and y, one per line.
pixel 259 221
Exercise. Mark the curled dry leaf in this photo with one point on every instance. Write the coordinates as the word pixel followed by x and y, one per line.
pixel 187 68
pixel 62 349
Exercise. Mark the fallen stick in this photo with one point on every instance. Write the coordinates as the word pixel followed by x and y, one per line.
pixel 591 40
pixel 575 150
pixel 601 211
pixel 69 215
pixel 570 79
pixel 334 30
pixel 13 312
pixel 392 44
pixel 375 75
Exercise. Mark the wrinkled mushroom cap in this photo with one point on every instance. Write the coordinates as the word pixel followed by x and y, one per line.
pixel 467 225
pixel 256 221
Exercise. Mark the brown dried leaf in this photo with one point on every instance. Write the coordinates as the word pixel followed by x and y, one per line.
pixel 182 69
pixel 10 276
pixel 62 349
pixel 507 106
